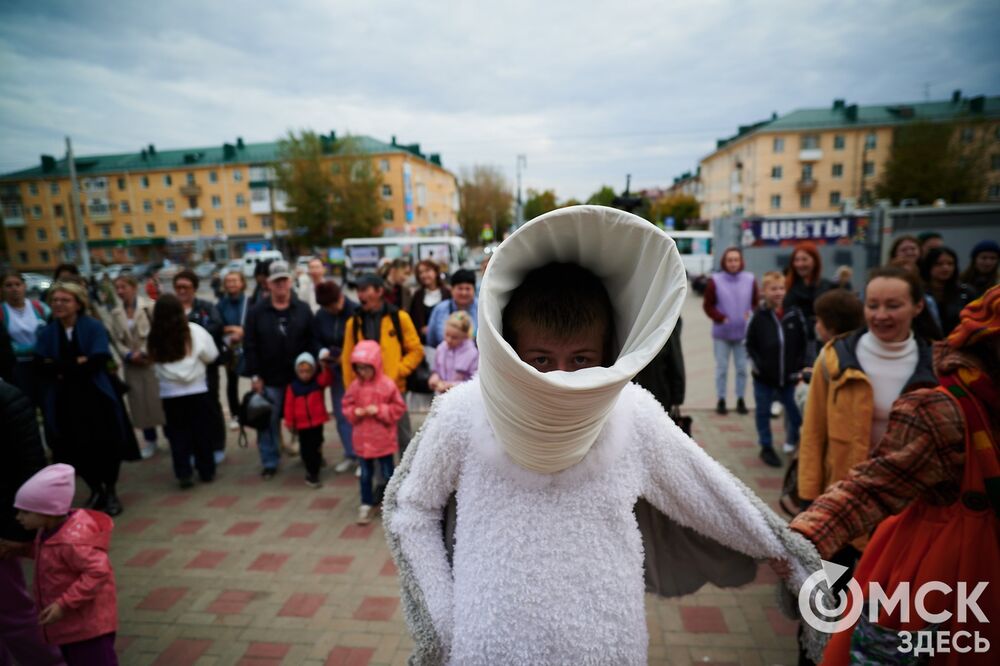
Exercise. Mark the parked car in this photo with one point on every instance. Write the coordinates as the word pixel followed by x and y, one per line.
pixel 205 269
pixel 251 259
pixel 36 283
pixel 236 265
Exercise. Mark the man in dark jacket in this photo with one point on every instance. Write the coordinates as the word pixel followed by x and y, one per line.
pixel 206 315
pixel 664 376
pixel 277 330
pixel 329 326
pixel 21 455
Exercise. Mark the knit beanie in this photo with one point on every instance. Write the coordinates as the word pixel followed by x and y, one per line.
pixel 49 492
pixel 985 246
pixel 305 357
pixel 463 276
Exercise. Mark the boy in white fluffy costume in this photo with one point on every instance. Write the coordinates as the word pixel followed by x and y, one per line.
pixel 546 454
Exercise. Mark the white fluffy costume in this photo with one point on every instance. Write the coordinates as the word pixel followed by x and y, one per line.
pixel 546 468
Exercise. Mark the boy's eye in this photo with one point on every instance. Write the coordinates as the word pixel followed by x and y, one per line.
pixel 540 360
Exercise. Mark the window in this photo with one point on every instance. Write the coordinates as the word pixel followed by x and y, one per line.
pixel 57 210
pixel 19 234
pixel 835 198
pixel 241 222
pixel 265 221
pixel 993 192
pixel 775 201
pixel 779 144
pixel 173 227
pixel 189 177
pixel 44 256
pixel 36 212
pixel 41 235
pixel 995 162
pixel 144 182
pixel 776 173
pixel 218 225
pixel 123 207
pixel 53 188
pixel 869 169
pixel 106 231
pixel 63 233
pixel 22 257
pixel 109 255
pixel 805 200
pixel 167 180
pixel 387 191
pixel 968 134
pixel 807 172
pixel 127 229
pixel 150 228
pixel 169 204
pixel 237 175
pixel 216 201
pixel 147 206
pixel 809 141
pixel 213 176
pixel 839 142
pixel 121 184
pixel 837 171
pixel 387 215
pixel 241 200
pixel 195 225
pixel 383 166
pixel 192 202
pixel 871 141
pixel 33 189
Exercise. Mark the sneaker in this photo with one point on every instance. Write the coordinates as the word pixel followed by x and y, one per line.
pixel 219 456
pixel 769 457
pixel 234 425
pixel 268 473
pixel 148 450
pixel 343 466
pixel 185 483
pixel 313 482
pixel 741 407
pixel 777 409
pixel 357 471
pixel 720 407
pixel 364 514
pixel 788 447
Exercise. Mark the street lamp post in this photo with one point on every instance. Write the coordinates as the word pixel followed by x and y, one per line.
pixel 522 162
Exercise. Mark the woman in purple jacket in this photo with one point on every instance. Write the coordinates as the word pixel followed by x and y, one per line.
pixel 730 298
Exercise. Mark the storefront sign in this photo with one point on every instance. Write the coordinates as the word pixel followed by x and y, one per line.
pixel 760 232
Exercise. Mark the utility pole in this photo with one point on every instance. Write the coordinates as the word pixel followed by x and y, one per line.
pixel 522 161
pixel 74 193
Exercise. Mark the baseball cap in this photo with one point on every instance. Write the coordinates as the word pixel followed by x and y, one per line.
pixel 278 270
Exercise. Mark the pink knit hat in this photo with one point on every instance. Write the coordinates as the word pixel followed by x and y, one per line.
pixel 49 492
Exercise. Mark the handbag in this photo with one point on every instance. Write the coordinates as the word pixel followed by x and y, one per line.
pixel 416 381
pixel 255 412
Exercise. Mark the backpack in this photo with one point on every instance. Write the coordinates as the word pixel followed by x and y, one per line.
pixel 255 412
pixel 416 381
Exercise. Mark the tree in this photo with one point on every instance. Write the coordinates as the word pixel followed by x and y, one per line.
pixel 569 202
pixel 603 197
pixel 682 207
pixel 538 203
pixel 357 186
pixel 485 198
pixel 930 161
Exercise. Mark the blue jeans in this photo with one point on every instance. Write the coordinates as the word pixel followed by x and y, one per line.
pixel 368 471
pixel 764 395
pixel 269 439
pixel 722 350
pixel 344 428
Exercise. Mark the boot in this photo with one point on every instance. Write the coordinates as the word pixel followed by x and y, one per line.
pixel 720 407
pixel 741 407
pixel 112 505
pixel 98 498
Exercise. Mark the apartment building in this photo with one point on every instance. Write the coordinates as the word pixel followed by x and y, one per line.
pixel 217 201
pixel 821 160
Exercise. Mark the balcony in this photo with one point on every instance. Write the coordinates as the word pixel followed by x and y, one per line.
pixel 193 214
pixel 13 216
pixel 810 154
pixel 806 185
pixel 99 213
pixel 191 190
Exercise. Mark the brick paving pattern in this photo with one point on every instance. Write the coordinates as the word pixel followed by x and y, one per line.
pixel 246 571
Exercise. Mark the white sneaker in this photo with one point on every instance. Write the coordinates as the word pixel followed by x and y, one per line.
pixel 148 450
pixel 343 466
pixel 234 424
pixel 357 471
pixel 364 514
pixel 788 448
pixel 776 409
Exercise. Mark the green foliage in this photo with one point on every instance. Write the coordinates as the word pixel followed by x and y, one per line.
pixel 538 203
pixel 603 197
pixel 485 198
pixel 569 202
pixel 682 207
pixel 357 185
pixel 929 161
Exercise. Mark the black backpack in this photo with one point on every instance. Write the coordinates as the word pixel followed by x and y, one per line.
pixel 255 412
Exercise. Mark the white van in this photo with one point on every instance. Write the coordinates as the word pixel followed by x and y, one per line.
pixel 364 254
pixel 251 259
pixel 695 248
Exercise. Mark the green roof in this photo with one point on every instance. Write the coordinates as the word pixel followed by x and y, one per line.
pixel 151 159
pixel 841 115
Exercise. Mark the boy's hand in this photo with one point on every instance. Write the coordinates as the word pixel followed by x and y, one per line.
pixel 51 614
pixel 372 410
pixel 359 411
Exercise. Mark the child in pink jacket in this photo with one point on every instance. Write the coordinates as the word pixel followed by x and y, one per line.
pixel 74 583
pixel 373 405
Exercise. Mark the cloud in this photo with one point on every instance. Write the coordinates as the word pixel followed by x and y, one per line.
pixel 589 91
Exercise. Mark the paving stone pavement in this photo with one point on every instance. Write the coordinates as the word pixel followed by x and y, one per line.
pixel 246 571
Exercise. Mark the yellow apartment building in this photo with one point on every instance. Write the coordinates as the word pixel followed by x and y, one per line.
pixel 822 160
pixel 213 202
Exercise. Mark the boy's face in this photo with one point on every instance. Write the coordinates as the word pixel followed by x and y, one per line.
pixel 822 332
pixel 304 371
pixel 365 372
pixel 774 293
pixel 545 353
pixel 32 521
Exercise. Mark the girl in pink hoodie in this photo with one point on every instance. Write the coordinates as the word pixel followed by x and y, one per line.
pixel 373 405
pixel 74 583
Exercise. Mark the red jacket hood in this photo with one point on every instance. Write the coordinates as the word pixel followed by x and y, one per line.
pixel 368 352
pixel 91 528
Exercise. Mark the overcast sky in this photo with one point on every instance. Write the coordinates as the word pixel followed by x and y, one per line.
pixel 587 91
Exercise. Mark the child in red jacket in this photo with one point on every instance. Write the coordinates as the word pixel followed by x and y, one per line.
pixel 74 583
pixel 305 412
pixel 373 405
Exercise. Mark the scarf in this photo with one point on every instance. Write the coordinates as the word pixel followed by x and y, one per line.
pixel 547 422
